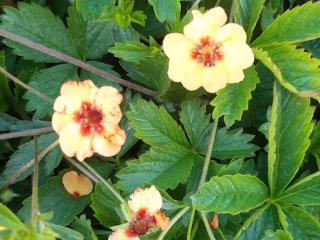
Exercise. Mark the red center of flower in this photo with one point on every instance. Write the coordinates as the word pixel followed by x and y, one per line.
pixel 142 223
pixel 90 119
pixel 207 52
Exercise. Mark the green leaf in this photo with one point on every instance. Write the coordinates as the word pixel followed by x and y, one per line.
pixel 255 226
pixel 231 101
pixel 289 132
pixel 232 144
pixel 159 167
pixel 48 81
pixel 155 126
pixel 165 10
pixel 300 224
pixel 313 47
pixel 133 51
pixel 37 24
pixel 83 226
pixel 217 169
pixel 104 205
pixel 20 164
pixel 53 197
pixel 93 9
pixel 278 235
pixel 304 192
pixel 196 123
pixel 297 25
pixel 66 233
pixel 231 194
pixel 293 68
pixel 314 148
pixel 92 38
pixel 5 91
pixel 8 219
pixel 247 14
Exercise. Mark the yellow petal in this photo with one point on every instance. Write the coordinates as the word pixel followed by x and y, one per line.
pixel 87 91
pixel 161 220
pixel 231 32
pixel 59 120
pixel 215 78
pixel 235 74
pixel 69 88
pixel 176 45
pixel 237 54
pixel 77 185
pixel 205 25
pixel 70 139
pixel 67 104
pixel 85 149
pixel 123 234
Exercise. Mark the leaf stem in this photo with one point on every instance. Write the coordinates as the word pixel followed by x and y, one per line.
pixel 217 3
pixel 208 154
pixel 108 185
pixel 74 61
pixel 196 3
pixel 189 232
pixel 232 9
pixel 26 133
pixel 206 224
pixel 35 182
pixel 22 84
pixel 173 221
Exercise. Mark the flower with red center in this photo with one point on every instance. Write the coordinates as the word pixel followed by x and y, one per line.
pixel 87 120
pixel 76 185
pixel 145 205
pixel 210 53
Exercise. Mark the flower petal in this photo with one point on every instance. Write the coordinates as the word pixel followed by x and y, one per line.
pixel 235 74
pixel 70 139
pixel 237 54
pixel 148 198
pixel 77 185
pixel 161 220
pixel 85 149
pixel 59 120
pixel 123 234
pixel 231 32
pixel 177 46
pixel 215 78
pixel 67 104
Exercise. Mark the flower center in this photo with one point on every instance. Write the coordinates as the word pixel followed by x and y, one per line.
pixel 207 52
pixel 142 223
pixel 89 118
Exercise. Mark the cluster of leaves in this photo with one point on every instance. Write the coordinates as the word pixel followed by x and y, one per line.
pixel 263 178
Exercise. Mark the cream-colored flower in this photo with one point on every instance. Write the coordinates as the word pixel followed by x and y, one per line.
pixel 145 205
pixel 77 185
pixel 210 53
pixel 86 119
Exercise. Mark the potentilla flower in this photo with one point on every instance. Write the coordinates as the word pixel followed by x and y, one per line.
pixel 87 120
pixel 77 185
pixel 210 53
pixel 145 205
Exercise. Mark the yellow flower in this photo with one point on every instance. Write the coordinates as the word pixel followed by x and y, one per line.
pixel 145 205
pixel 210 53
pixel 86 119
pixel 77 185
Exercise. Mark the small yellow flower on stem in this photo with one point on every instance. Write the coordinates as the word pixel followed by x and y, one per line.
pixel 145 205
pixel 87 120
pixel 77 185
pixel 210 53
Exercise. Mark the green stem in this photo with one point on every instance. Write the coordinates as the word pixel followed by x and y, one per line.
pixel 193 211
pixel 232 9
pixel 206 224
pixel 196 3
pixel 173 221
pixel 35 182
pixel 217 3
pixel 108 185
pixel 208 154
pixel 221 234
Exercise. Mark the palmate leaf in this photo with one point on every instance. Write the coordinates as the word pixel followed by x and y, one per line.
pixel 304 192
pixel 83 225
pixel 231 194
pixel 164 167
pixel 293 68
pixel 278 235
pixel 166 10
pixel 265 218
pixel 39 25
pixel 93 9
pixel 247 14
pixel 231 101
pixel 297 25
pixel 289 133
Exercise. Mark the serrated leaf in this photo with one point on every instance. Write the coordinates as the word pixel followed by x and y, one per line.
pixel 92 37
pixel 255 226
pixel 20 164
pixel 231 194
pixel 5 92
pixel 66 233
pixel 132 51
pixel 293 68
pixel 304 192
pixel 104 205
pixel 53 197
pixel 314 148
pixel 159 167
pixel 300 224
pixel 8 219
pixel 313 47
pixel 278 235
pixel 289 132
pixel 247 14
pixel 165 10
pixel 37 24
pixel 297 25
pixel 233 144
pixel 233 100
pixel 93 9
pixel 83 226
pixel 48 81
pixel 155 126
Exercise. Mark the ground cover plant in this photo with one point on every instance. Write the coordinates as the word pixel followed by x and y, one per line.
pixel 160 119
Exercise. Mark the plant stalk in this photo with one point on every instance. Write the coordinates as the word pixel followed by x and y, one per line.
pixel 189 232
pixel 232 9
pixel 26 133
pixel 206 224
pixel 35 183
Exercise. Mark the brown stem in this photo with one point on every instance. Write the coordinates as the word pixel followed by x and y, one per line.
pixel 74 61
pixel 35 182
pixel 26 133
